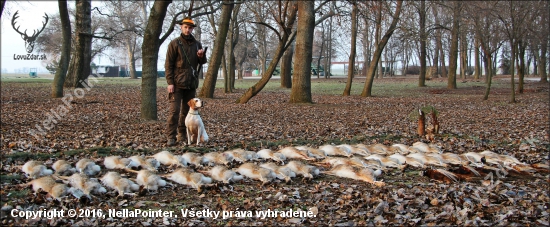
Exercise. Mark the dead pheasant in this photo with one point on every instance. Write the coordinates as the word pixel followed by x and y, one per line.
pixel 122 185
pixel 186 176
pixel 88 167
pixel 35 169
pixel 363 174
pixel 256 172
pixel 282 172
pixel 63 168
pixel 269 154
pixel 293 153
pixel 221 173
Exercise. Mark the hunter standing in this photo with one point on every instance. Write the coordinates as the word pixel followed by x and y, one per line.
pixel 184 55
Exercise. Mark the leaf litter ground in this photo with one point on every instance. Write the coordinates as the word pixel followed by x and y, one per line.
pixel 106 121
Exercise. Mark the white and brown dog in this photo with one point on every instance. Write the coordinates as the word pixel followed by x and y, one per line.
pixel 193 122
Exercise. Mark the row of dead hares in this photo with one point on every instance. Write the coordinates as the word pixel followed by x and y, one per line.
pixel 359 162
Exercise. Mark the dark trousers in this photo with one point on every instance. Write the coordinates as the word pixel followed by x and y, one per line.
pixel 178 111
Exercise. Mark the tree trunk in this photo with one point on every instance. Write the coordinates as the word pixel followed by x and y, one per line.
pixel 352 54
pixel 521 67
pixel 286 67
pixel 226 80
pixel 79 68
pixel 321 53
pixel 150 50
pixel 233 39
pixel 328 71
pixel 423 39
pixel 2 4
pixel 543 61
pixel 61 72
pixel 209 84
pixel 367 90
pixel 453 52
pixel 477 64
pixel 131 59
pixel 489 71
pixel 463 54
pixel 366 46
pixel 301 81
pixel 512 68
pixel 378 34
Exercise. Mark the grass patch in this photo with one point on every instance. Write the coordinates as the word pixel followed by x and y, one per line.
pixel 23 156
pixel 9 178
pixel 19 193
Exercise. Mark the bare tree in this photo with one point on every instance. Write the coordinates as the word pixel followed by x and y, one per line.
pixel 301 81
pixel 286 14
pixel 63 66
pixel 423 40
pixel 150 49
pixel 232 40
pixel 351 66
pixel 453 52
pixel 539 40
pixel 79 67
pixel 367 89
pixel 513 15
pixel 485 27
pixel 127 16
pixel 286 67
pixel 209 84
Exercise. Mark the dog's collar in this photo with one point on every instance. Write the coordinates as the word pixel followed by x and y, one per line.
pixel 194 113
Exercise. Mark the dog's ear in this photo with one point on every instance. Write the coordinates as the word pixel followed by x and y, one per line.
pixel 191 103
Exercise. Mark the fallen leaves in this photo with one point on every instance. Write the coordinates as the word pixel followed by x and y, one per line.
pixel 107 122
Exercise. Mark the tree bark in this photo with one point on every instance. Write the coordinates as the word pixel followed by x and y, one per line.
pixel 477 64
pixel 377 38
pixel 209 84
pixel 512 69
pixel 2 4
pixel 328 59
pixel 131 58
pixel 286 67
pixel 543 61
pixel 453 55
pixel 233 40
pixel 521 67
pixel 150 49
pixel 301 81
pixel 463 54
pixel 79 67
pixel 61 72
pixel 367 90
pixel 423 39
pixel 351 65
pixel 489 72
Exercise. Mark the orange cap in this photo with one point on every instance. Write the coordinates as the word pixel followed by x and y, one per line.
pixel 188 21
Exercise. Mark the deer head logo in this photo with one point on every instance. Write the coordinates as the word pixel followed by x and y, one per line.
pixel 29 41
